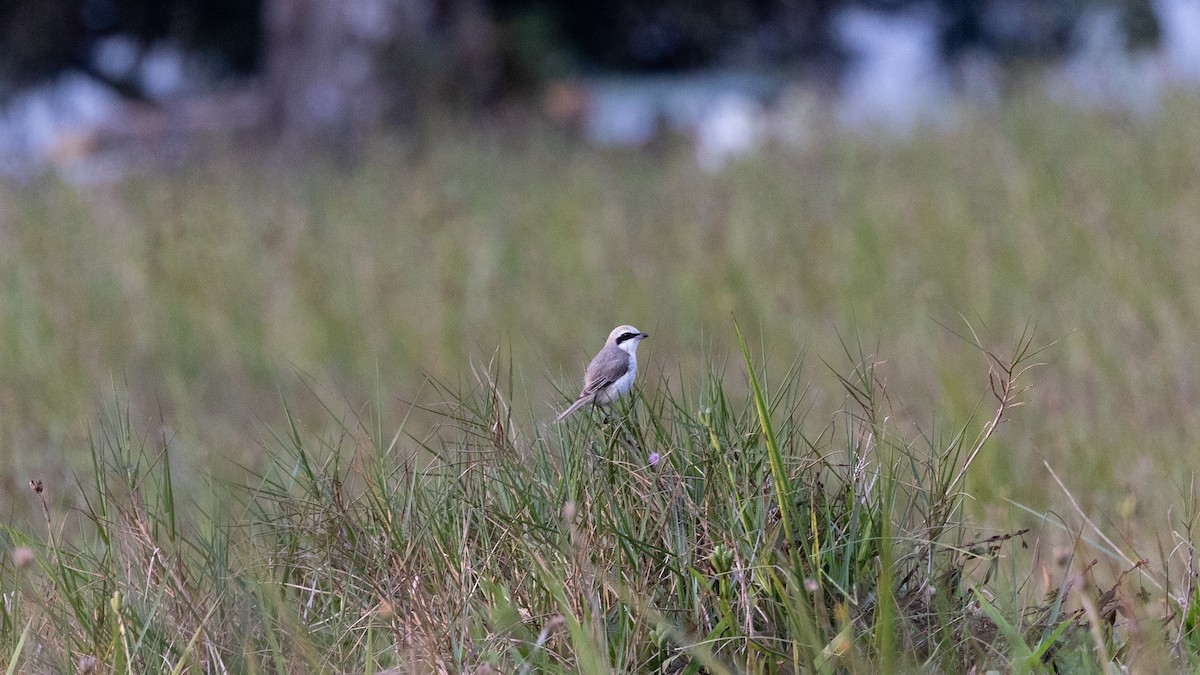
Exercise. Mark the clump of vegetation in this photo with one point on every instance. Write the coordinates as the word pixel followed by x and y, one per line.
pixel 702 531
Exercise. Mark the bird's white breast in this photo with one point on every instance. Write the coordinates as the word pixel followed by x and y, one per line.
pixel 621 386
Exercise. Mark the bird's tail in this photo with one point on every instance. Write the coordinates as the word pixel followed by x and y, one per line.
pixel 579 403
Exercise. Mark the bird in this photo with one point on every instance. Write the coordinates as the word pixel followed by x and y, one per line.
pixel 610 374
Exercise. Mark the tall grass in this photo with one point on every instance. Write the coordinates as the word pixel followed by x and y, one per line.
pixel 702 530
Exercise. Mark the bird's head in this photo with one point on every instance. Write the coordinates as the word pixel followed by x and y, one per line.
pixel 626 338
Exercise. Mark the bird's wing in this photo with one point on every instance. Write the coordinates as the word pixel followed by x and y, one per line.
pixel 610 365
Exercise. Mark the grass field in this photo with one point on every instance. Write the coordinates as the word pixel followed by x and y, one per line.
pixel 294 418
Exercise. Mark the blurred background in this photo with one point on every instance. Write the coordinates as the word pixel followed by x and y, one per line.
pixel 84 80
pixel 209 208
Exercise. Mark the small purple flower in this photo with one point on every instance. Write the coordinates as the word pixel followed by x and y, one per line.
pixel 654 457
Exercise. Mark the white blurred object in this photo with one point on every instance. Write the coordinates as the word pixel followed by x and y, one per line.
pixel 621 111
pixel 1179 31
pixel 1101 72
pixel 733 127
pixel 161 70
pixel 724 112
pixel 164 70
pixel 896 78
pixel 52 122
pixel 116 56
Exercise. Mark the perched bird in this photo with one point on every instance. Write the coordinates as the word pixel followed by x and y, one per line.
pixel 610 375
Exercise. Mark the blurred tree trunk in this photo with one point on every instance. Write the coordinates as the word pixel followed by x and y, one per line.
pixel 336 70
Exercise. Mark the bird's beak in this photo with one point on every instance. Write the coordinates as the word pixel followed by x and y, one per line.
pixel 643 335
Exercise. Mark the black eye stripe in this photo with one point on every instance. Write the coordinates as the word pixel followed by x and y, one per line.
pixel 626 336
